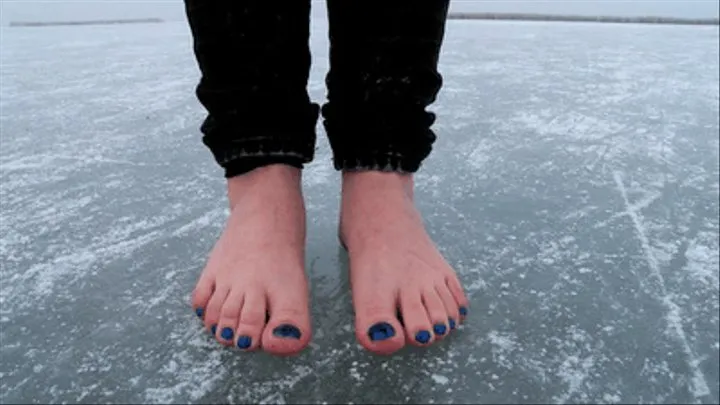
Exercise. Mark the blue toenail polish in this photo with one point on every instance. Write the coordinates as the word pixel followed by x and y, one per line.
pixel 423 336
pixel 213 329
pixel 244 342
pixel 226 333
pixel 452 323
pixel 199 312
pixel 381 331
pixel 440 329
pixel 463 311
pixel 287 331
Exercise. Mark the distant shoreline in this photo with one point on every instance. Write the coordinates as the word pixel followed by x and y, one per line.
pixel 580 18
pixel 89 22
pixel 451 16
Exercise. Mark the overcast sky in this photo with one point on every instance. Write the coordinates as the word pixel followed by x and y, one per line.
pixel 33 10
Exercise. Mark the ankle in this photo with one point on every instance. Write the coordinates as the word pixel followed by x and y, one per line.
pixel 377 181
pixel 271 179
pixel 372 203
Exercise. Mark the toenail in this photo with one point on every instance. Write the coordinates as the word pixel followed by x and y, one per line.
pixel 287 331
pixel 463 311
pixel 381 331
pixel 440 329
pixel 452 323
pixel 227 333
pixel 244 342
pixel 213 329
pixel 199 312
pixel 423 336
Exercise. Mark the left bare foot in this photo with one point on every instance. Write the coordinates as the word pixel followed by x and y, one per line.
pixel 395 269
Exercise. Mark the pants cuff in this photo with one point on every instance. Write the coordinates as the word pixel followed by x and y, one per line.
pixel 289 142
pixel 243 156
pixel 246 164
pixel 382 162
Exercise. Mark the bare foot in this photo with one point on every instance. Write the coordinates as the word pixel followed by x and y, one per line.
pixel 253 291
pixel 403 289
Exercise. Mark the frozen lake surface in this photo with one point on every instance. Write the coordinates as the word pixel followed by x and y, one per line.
pixel 574 187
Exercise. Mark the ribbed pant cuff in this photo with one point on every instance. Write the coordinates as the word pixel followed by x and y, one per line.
pixel 382 162
pixel 249 154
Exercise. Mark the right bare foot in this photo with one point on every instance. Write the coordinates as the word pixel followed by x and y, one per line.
pixel 403 290
pixel 253 291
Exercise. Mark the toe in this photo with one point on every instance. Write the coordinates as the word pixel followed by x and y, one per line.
pixel 458 294
pixel 201 295
pixel 437 313
pixel 376 325
pixel 418 328
pixel 229 317
pixel 252 320
pixel 214 307
pixel 288 330
pixel 451 307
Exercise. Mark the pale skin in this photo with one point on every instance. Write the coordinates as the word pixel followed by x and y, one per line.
pixel 254 283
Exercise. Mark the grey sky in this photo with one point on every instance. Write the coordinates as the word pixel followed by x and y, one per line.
pixel 24 10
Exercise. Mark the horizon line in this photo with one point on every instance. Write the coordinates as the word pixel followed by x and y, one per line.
pixel 581 18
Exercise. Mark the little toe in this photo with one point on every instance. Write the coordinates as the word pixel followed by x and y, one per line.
pixel 288 330
pixel 437 313
pixel 418 326
pixel 252 321
pixel 201 295
pixel 229 317
pixel 458 294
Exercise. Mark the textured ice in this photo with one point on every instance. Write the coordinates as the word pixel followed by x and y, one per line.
pixel 574 187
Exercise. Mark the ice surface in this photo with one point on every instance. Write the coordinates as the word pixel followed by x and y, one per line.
pixel 574 187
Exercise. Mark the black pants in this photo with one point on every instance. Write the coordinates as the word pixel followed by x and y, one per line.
pixel 254 59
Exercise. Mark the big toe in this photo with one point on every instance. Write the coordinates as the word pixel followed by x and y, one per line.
pixel 288 330
pixel 376 325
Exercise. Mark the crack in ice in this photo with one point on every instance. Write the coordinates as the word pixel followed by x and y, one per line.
pixel 698 382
